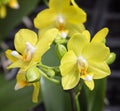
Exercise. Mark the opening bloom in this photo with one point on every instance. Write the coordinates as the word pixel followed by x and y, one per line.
pixel 66 17
pixel 29 51
pixel 85 60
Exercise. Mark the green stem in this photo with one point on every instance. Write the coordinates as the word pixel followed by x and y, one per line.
pixel 50 79
pixel 75 101
pixel 55 68
pixel 72 95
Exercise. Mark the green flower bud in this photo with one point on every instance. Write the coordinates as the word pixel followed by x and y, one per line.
pixel 51 72
pixel 60 50
pixel 111 58
pixel 33 74
pixel 104 41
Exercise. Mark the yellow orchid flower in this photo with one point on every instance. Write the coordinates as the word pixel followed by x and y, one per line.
pixel 11 3
pixel 85 60
pixel 29 50
pixel 22 82
pixel 62 15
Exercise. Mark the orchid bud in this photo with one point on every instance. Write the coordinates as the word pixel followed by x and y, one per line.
pixel 51 72
pixel 33 74
pixel 60 50
pixel 111 58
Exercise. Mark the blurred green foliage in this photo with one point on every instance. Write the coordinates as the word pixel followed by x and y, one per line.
pixel 15 16
pixel 11 100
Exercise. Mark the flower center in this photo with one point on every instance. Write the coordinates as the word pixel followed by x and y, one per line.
pixel 83 66
pixel 82 63
pixel 60 22
pixel 29 51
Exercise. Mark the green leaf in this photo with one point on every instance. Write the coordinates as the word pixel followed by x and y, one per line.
pixel 11 100
pixel 93 100
pixel 54 98
pixel 15 16
pixel 50 57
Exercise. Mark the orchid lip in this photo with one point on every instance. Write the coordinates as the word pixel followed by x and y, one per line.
pixel 88 78
pixel 63 34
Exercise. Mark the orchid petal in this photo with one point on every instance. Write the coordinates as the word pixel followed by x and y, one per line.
pixel 96 52
pixel 99 70
pixel 77 43
pixel 23 36
pixel 68 63
pixel 100 36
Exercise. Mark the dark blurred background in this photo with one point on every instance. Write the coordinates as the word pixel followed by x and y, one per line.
pixel 101 13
